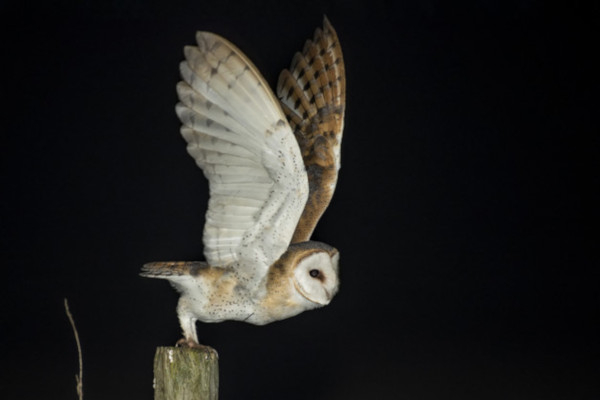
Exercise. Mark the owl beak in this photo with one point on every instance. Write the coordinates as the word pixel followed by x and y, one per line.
pixel 324 303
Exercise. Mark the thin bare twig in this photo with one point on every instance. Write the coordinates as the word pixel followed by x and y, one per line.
pixel 78 378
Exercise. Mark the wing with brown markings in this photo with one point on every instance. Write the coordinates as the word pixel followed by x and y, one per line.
pixel 313 97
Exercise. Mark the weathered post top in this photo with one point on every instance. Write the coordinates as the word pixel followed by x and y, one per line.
pixel 183 373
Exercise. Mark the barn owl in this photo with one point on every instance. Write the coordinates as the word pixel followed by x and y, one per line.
pixel 272 163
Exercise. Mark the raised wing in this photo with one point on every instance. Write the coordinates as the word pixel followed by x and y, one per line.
pixel 313 96
pixel 239 136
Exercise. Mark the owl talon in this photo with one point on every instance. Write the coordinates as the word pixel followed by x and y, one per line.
pixel 190 343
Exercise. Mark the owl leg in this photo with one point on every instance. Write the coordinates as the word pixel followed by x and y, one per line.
pixel 187 321
pixel 188 325
pixel 190 339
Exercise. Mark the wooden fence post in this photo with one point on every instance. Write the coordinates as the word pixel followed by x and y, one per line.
pixel 183 373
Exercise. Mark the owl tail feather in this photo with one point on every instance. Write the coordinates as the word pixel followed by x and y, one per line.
pixel 167 269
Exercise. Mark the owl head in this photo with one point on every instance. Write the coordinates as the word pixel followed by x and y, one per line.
pixel 315 275
pixel 311 271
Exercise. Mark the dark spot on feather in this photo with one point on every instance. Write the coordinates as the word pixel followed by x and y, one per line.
pixel 213 72
pixel 209 122
pixel 280 123
pixel 301 74
pixel 324 112
pixel 297 103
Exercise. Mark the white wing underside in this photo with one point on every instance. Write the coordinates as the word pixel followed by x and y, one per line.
pixel 239 136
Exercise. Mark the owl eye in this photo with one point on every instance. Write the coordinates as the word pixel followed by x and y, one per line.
pixel 314 273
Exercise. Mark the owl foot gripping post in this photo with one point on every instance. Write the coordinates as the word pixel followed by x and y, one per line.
pixel 272 164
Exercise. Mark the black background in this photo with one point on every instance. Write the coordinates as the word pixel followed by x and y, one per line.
pixel 464 214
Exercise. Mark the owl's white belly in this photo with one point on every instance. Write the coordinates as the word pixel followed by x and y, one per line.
pixel 215 299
